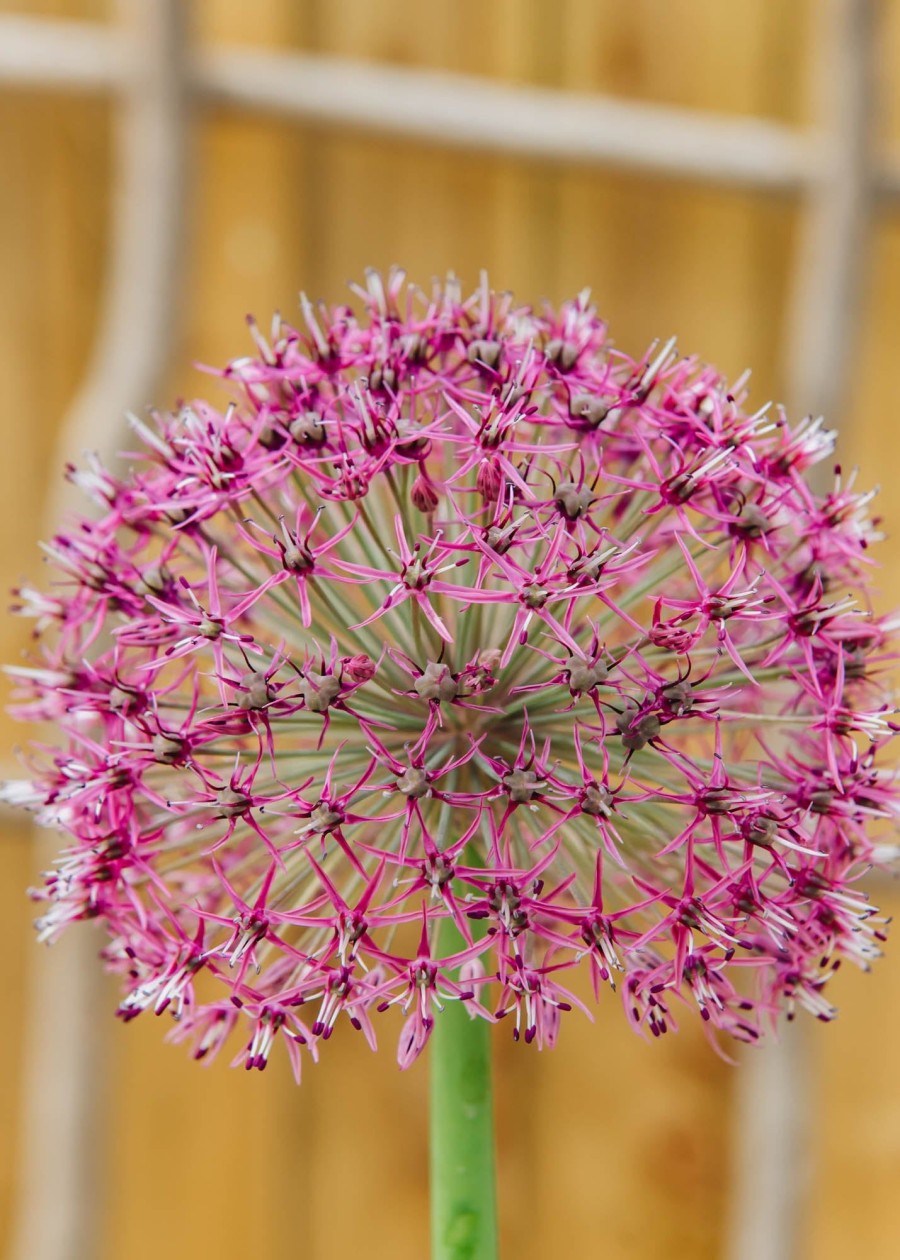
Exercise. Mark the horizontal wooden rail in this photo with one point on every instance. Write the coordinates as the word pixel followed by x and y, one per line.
pixel 64 55
pixel 452 109
pixel 476 113
pixel 457 110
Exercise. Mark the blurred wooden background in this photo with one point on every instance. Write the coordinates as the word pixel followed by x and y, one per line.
pixel 609 1146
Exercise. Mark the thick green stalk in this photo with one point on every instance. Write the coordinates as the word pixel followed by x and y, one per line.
pixel 463 1193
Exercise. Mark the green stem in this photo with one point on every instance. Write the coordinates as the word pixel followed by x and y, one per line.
pixel 463 1195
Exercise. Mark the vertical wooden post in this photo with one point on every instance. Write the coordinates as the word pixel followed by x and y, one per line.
pixel 771 1170
pixel 58 1199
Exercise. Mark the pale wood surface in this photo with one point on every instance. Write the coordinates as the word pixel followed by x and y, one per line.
pixel 608 1146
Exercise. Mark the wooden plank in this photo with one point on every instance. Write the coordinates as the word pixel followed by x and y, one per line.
pixel 55 155
pixel 856 1117
pixel 646 1145
pixel 16 873
pixel 53 219
pixel 195 1162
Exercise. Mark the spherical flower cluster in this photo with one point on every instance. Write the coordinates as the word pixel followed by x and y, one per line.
pixel 460 651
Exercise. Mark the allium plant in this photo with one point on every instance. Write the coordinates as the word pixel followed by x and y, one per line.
pixel 462 651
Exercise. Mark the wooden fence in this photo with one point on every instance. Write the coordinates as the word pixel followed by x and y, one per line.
pixel 609 1146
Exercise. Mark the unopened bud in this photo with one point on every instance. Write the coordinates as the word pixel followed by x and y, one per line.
pixel 488 480
pixel 358 669
pixel 423 494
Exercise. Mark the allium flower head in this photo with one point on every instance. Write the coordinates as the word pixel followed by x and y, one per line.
pixel 457 614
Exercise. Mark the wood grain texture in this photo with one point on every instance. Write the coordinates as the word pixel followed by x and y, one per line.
pixel 608 1146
